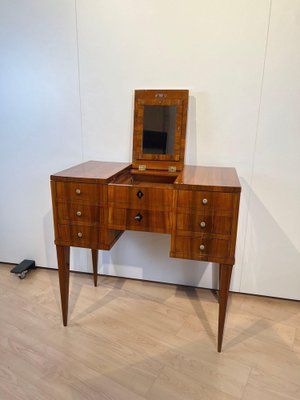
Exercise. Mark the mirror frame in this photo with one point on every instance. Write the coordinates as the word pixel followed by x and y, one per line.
pixel 177 98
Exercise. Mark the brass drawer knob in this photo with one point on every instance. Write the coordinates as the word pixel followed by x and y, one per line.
pixel 79 234
pixel 202 224
pixel 204 201
pixel 78 191
pixel 202 247
pixel 78 213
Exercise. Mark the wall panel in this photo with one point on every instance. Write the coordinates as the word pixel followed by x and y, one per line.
pixel 39 121
pixel 272 252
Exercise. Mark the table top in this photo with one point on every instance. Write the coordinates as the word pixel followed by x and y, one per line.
pixel 191 177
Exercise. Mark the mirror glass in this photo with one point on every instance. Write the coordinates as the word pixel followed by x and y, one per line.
pixel 159 127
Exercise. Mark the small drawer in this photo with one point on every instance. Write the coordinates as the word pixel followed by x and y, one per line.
pixel 198 248
pixel 203 201
pixel 80 213
pixel 140 197
pixel 79 192
pixel 78 235
pixel 204 223
pixel 139 220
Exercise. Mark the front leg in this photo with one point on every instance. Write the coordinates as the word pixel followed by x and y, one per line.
pixel 63 260
pixel 95 265
pixel 224 283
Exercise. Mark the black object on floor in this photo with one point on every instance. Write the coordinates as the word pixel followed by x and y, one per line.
pixel 22 268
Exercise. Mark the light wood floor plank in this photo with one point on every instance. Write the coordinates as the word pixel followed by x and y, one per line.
pixel 296 346
pixel 173 385
pixel 255 393
pixel 274 385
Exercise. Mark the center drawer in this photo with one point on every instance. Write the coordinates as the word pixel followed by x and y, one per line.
pixel 139 220
pixel 148 198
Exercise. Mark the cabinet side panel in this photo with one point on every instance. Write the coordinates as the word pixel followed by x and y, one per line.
pixel 54 207
pixel 234 225
pixel 110 236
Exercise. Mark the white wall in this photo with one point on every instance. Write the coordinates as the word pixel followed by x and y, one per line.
pixel 68 72
pixel 272 248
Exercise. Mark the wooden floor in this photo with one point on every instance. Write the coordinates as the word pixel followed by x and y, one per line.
pixel 137 340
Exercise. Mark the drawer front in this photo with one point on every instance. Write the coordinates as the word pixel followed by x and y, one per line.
pixel 80 213
pixel 203 201
pixel 204 223
pixel 198 248
pixel 139 220
pixel 85 193
pixel 79 235
pixel 141 198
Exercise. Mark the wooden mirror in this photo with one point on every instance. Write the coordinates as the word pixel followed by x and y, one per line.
pixel 159 129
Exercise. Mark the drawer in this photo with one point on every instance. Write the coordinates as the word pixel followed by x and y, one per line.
pixel 203 201
pixel 198 248
pixel 139 220
pixel 79 192
pixel 78 235
pixel 203 223
pixel 80 213
pixel 139 197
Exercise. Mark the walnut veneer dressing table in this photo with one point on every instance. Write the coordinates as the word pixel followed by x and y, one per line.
pixel 95 202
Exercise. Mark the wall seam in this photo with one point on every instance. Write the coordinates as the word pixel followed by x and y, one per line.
pixel 80 99
pixel 79 80
pixel 256 136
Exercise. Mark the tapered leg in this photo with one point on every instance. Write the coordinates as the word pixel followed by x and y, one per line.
pixel 220 275
pixel 95 265
pixel 224 282
pixel 63 260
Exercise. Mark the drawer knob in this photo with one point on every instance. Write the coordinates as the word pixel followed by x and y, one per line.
pixel 138 217
pixel 78 191
pixel 79 234
pixel 140 194
pixel 204 201
pixel 78 213
pixel 202 224
pixel 202 247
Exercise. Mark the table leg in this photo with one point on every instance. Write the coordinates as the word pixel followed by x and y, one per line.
pixel 224 283
pixel 63 260
pixel 95 265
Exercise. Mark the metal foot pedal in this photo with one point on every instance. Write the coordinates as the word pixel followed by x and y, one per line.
pixel 23 268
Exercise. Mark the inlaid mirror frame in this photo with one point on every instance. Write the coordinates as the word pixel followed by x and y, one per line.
pixel 159 97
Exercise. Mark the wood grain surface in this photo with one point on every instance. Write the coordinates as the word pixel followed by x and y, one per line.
pixel 91 172
pixel 222 179
pixel 115 198
pixel 160 97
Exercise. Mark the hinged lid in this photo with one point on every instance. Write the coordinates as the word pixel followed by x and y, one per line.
pixel 159 129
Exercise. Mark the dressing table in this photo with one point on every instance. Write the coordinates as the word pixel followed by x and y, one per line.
pixel 95 202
